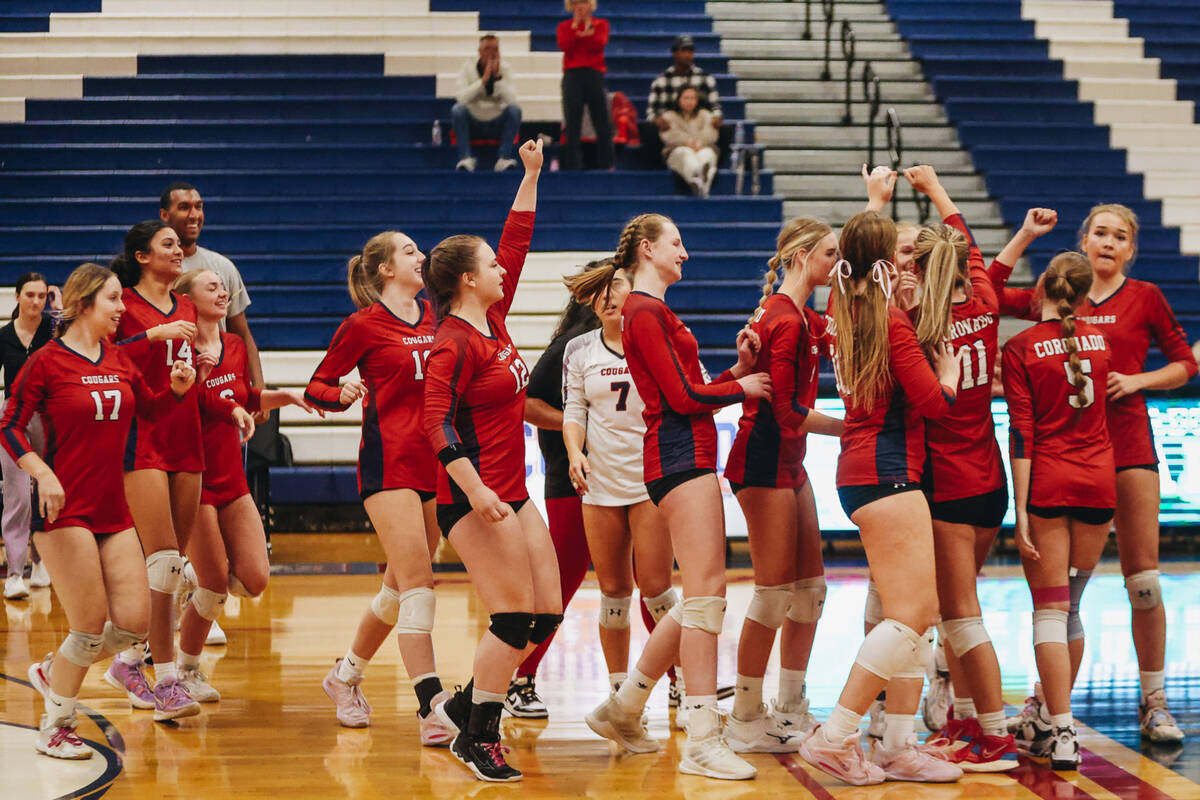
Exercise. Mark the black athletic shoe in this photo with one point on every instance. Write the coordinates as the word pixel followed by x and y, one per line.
pixel 522 700
pixel 485 759
pixel 455 712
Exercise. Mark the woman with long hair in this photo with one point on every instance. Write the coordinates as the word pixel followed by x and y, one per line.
pixel 28 331
pixel 474 418
pixel 388 340
pixel 888 389
pixel 1064 479
pixel 766 471
pixel 87 390
pixel 164 459
pixel 679 469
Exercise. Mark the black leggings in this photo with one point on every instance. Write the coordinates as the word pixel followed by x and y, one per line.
pixel 584 86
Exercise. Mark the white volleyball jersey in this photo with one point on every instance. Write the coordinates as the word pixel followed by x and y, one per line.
pixel 599 396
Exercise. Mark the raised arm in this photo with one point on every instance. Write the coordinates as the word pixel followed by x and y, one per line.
pixel 925 180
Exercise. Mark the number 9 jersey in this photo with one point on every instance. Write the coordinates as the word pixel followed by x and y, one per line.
pixel 173 443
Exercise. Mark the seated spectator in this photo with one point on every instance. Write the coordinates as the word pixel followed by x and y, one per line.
pixel 487 106
pixel 582 39
pixel 683 74
pixel 689 140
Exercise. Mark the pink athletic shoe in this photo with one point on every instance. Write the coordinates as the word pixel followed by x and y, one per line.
pixel 911 763
pixel 434 732
pixel 844 761
pixel 353 710
pixel 130 679
pixel 171 701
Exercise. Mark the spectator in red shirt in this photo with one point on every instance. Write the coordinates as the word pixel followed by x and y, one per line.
pixel 582 39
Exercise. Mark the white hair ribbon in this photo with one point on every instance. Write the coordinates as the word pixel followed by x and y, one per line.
pixel 883 272
pixel 841 271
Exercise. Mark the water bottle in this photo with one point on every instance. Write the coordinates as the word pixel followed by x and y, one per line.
pixel 554 164
pixel 739 134
pixel 436 136
pixel 739 142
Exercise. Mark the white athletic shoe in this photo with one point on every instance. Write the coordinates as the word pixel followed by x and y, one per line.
pixel 680 720
pixel 39 675
pixel 503 164
pixel 14 588
pixel 1064 750
pixel 878 719
pixel 613 722
pixel 845 761
pixel 1157 724
pixel 39 576
pixel 1032 728
pixel 797 720
pixel 764 734
pixel 466 164
pixel 216 636
pixel 911 763
pixel 197 685
pixel 58 740
pixel 706 753
pixel 935 707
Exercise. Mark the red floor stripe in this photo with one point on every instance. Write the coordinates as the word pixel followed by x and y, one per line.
pixel 1045 782
pixel 795 765
pixel 1123 784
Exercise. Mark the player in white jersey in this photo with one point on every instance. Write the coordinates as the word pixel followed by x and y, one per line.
pixel 626 534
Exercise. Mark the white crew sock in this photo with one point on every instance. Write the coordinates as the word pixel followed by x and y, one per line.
pixel 899 729
pixel 747 698
pixel 352 667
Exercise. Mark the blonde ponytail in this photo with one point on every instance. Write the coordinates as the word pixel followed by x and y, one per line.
pixel 1066 283
pixel 802 234
pixel 941 251
pixel 363 279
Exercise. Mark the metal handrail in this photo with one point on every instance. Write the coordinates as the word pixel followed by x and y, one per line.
pixel 807 20
pixel 849 44
pixel 827 6
pixel 871 95
pixel 895 146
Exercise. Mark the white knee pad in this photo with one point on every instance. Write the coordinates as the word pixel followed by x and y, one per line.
pixel 117 639
pixel 208 603
pixel 918 667
pixel 82 649
pixel 416 611
pixel 614 612
pixel 165 570
pixel 807 600
pixel 1049 626
pixel 237 588
pixel 964 634
pixel 873 612
pixel 386 605
pixel 675 612
pixel 892 649
pixel 1145 592
pixel 660 605
pixel 705 613
pixel 769 605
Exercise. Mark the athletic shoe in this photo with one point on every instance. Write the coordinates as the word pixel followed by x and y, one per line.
pixel 911 763
pixel 935 707
pixel 796 720
pixel 39 576
pixel 216 636
pixel 39 674
pixel 503 164
pixel 1064 749
pixel 706 753
pixel 844 761
pixel 197 685
pixel 485 759
pixel 988 754
pixel 171 701
pixel 58 739
pixel 522 700
pixel 434 732
pixel 1157 724
pixel 1036 733
pixel 611 721
pixel 14 588
pixel 679 720
pixel 764 734
pixel 454 711
pixel 466 165
pixel 130 679
pixel 878 719
pixel 954 737
pixel 1032 707
pixel 353 710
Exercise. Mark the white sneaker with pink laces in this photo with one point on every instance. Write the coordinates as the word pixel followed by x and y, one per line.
pixel 911 763
pixel 434 732
pixel 353 710
pixel 844 761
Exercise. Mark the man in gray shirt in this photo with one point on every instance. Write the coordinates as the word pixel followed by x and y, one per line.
pixel 487 106
pixel 182 207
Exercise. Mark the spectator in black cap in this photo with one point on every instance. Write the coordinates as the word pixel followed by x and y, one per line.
pixel 683 74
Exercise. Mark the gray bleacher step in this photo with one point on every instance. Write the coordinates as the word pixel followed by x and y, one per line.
pixel 766 10
pixel 837 210
pixel 888 70
pixel 832 90
pixel 794 30
pixel 814 184
pixel 815 136
pixel 763 48
pixel 782 161
pixel 819 111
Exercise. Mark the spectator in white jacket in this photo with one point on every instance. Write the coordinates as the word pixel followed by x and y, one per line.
pixel 487 106
pixel 689 140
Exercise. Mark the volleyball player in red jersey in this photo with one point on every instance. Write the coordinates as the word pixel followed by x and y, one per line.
pixel 388 340
pixel 1064 481
pixel 766 470
pixel 86 390
pixel 164 458
pixel 228 549
pixel 1132 314
pixel 888 389
pixel 679 468
pixel 474 418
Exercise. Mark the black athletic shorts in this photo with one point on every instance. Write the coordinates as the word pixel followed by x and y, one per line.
pixel 1088 516
pixel 1151 467
pixel 421 493
pixel 855 497
pixel 982 510
pixel 449 514
pixel 658 489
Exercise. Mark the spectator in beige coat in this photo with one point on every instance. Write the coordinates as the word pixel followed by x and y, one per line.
pixel 690 143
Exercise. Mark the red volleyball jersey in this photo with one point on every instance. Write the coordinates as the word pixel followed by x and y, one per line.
pixel 769 447
pixel 87 408
pixel 475 386
pixel 390 355
pixel 224 467
pixel 1070 448
pixel 664 360
pixel 173 443
pixel 963 455
pixel 887 443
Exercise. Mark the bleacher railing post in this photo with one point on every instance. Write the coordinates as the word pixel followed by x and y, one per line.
pixel 849 43
pixel 895 144
pixel 807 19
pixel 827 5
pixel 871 96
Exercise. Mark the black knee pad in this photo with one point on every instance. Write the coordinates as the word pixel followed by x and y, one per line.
pixel 544 626
pixel 512 628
